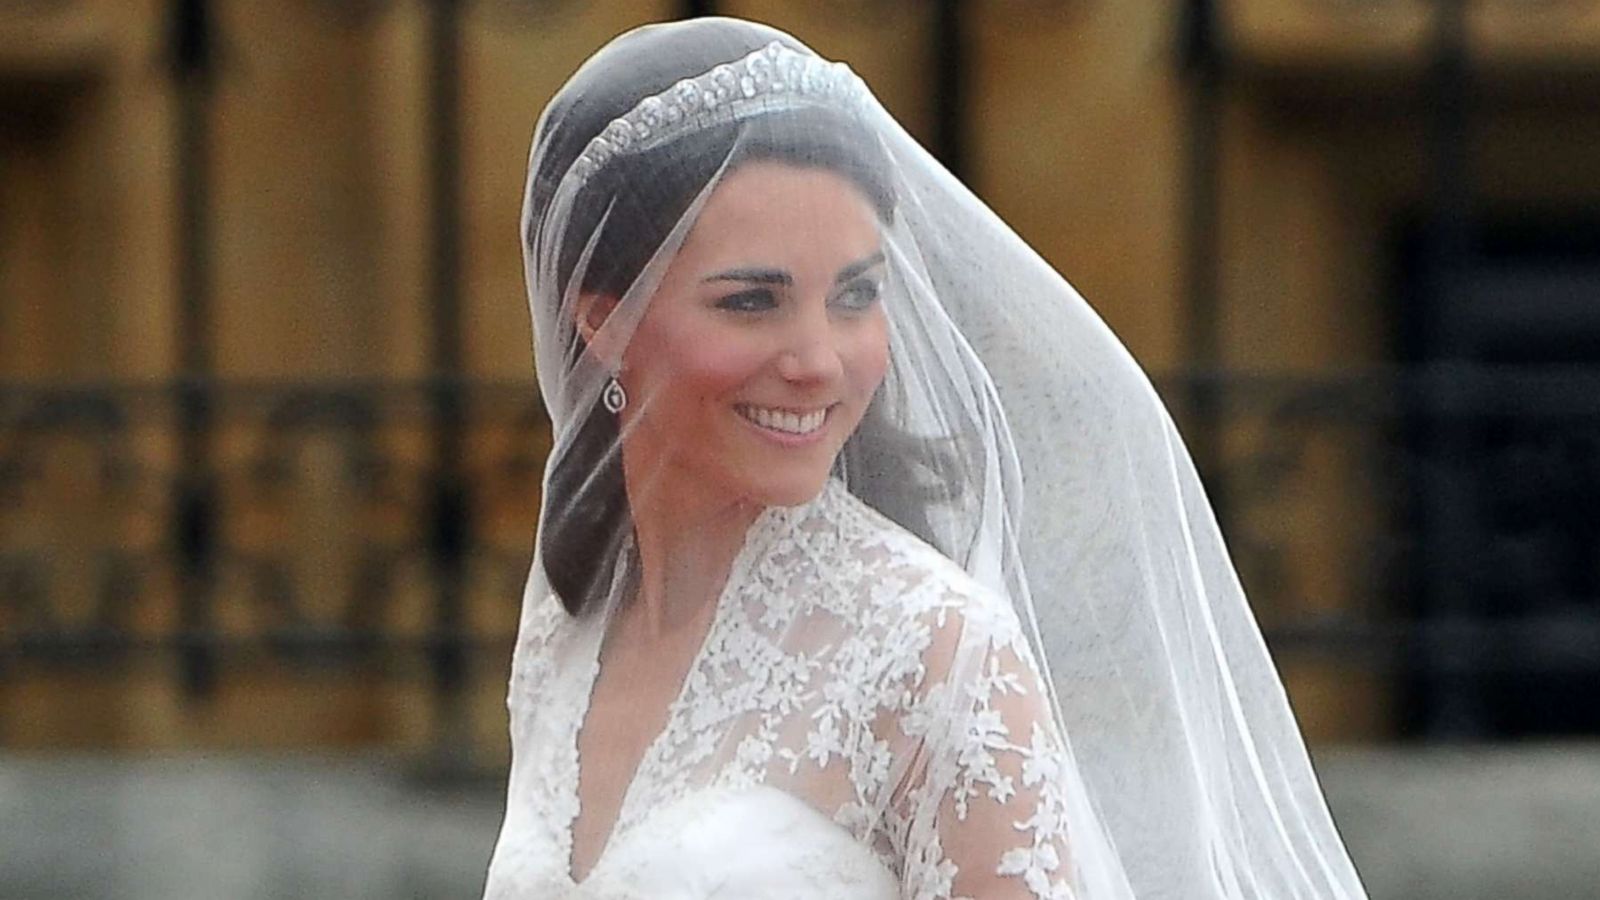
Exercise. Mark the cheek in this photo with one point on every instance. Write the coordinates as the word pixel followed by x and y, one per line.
pixel 867 356
pixel 713 371
pixel 687 365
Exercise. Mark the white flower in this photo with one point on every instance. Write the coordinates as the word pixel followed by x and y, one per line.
pixel 822 742
pixel 753 751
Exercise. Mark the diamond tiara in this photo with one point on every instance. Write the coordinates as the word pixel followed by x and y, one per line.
pixel 771 79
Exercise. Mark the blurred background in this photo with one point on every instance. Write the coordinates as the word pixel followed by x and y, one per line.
pixel 270 447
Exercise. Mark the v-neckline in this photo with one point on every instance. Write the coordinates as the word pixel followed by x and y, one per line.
pixel 754 541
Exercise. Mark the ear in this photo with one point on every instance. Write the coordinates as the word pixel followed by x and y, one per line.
pixel 590 317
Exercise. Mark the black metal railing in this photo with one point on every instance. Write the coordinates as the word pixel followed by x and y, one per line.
pixel 324 518
pixel 102 526
pixel 1337 489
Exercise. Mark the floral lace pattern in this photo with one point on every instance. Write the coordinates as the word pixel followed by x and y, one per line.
pixel 850 667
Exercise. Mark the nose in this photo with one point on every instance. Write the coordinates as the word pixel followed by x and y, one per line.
pixel 811 351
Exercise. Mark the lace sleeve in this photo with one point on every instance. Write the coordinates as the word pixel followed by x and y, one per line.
pixel 986 808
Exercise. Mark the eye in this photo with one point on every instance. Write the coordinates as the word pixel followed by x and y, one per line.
pixel 753 300
pixel 857 295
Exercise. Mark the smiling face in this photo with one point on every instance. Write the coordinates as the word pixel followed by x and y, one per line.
pixel 763 344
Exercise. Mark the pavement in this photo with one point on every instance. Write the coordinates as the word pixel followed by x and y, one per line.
pixel 1422 824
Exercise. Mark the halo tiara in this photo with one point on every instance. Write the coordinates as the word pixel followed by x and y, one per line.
pixel 772 79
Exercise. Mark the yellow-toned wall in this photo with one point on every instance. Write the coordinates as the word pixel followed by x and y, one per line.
pixel 85 118
pixel 1397 35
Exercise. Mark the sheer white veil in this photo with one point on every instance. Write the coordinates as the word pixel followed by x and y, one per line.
pixel 1013 433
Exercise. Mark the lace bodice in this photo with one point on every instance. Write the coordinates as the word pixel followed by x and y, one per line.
pixel 862 720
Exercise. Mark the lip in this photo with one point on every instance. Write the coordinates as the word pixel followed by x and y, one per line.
pixel 785 438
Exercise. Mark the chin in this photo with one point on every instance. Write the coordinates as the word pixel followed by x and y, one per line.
pixel 790 489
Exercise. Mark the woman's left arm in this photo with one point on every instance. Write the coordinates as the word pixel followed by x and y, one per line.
pixel 987 812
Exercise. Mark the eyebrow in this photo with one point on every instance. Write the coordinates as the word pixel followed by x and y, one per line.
pixel 755 276
pixel 857 268
pixel 778 276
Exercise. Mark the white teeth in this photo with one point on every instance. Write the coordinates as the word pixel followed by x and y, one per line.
pixel 783 420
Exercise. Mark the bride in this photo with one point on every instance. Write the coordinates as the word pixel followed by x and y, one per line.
pixel 869 566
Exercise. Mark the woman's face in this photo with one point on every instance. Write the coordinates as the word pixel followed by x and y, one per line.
pixel 763 344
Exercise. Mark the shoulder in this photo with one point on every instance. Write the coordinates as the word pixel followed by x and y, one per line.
pixel 543 625
pixel 890 575
pixel 543 616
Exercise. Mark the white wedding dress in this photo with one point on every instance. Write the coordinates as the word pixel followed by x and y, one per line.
pixel 862 722
pixel 1062 693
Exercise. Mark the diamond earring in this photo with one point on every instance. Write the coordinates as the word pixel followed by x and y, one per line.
pixel 614 398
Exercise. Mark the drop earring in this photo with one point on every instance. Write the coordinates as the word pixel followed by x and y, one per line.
pixel 614 398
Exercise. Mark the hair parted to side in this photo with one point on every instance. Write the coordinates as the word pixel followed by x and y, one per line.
pixel 641 198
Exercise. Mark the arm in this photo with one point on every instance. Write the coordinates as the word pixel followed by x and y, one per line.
pixel 987 806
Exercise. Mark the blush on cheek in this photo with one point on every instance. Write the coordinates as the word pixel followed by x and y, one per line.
pixel 715 368
pixel 689 357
